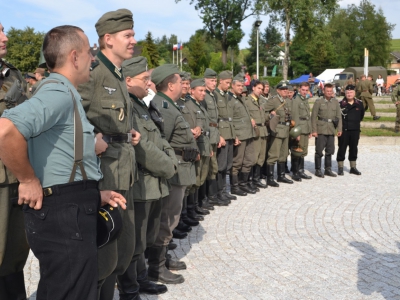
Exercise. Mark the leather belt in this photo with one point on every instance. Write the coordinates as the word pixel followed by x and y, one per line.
pixel 225 119
pixel 305 119
pixel 213 124
pixel 70 187
pixel 284 123
pixel 118 138
pixel 326 120
pixel 260 124
pixel 178 152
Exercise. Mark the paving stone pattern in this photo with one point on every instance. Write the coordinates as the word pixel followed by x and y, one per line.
pixel 331 238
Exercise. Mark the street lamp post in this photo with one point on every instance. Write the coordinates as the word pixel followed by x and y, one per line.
pixel 257 24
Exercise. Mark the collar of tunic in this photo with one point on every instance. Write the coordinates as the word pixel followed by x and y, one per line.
pixel 161 94
pixel 116 71
pixel 137 100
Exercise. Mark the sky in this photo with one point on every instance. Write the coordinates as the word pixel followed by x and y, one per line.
pixel 158 16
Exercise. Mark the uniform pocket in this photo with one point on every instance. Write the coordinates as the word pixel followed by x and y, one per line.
pixel 113 111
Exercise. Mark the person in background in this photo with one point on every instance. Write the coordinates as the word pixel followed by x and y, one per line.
pixel 379 83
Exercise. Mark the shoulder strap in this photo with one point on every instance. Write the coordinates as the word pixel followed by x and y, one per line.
pixel 78 135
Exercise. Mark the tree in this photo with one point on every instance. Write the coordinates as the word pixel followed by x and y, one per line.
pixel 23 48
pixel 299 15
pixel 150 51
pixel 222 18
pixel 272 39
pixel 199 55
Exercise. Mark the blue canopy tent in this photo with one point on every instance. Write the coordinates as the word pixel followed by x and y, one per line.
pixel 302 78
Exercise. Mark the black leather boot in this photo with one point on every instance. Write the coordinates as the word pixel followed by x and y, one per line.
pixel 183 227
pixel 174 265
pixel 213 192
pixel 243 183
pixel 221 187
pixel 191 208
pixel 270 176
pixel 12 286
pixel 184 217
pixel 257 177
pixel 204 199
pixel 145 285
pixel 200 210
pixel 172 245
pixel 127 283
pixel 178 234
pixel 301 170
pixel 235 189
pixel 287 171
pixel 328 166
pixel 295 168
pixel 318 171
pixel 281 174
pixel 353 169
pixel 157 270
pixel 250 182
pixel 225 191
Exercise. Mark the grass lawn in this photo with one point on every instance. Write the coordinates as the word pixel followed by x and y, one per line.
pixel 395 45
pixel 379 132
pixel 368 118
pixel 386 110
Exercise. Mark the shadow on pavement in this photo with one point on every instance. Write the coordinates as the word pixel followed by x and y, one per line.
pixel 378 272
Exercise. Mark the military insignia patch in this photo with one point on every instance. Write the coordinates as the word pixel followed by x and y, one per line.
pixel 110 90
pixel 146 117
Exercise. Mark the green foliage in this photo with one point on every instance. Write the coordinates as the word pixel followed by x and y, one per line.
pixel 199 57
pixel 273 81
pixel 23 48
pixel 150 51
pixel 164 46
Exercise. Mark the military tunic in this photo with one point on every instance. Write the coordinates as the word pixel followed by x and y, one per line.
pixel 243 154
pixel 300 112
pixel 257 113
pixel 109 109
pixel 396 98
pixel 366 89
pixel 278 143
pixel 14 247
pixel 210 102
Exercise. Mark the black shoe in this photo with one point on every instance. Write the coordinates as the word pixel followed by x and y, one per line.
pixel 295 169
pixel 172 246
pixel 296 177
pixel 281 174
pixel 328 172
pixel 229 196
pixel 354 171
pixel 175 265
pixel 244 184
pixel 206 204
pixel 217 202
pixel 151 288
pixel 301 170
pixel 193 215
pixel 201 211
pixel 157 270
pixel 178 234
pixel 190 221
pixel 318 173
pixel 376 118
pixel 340 171
pixel 183 227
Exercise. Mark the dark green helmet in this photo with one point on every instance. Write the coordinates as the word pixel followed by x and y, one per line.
pixel 295 132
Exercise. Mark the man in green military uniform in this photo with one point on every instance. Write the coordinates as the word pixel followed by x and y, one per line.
pixel 152 152
pixel 300 112
pixel 326 119
pixel 109 109
pixel 396 101
pixel 180 137
pixel 39 76
pixel 243 153
pixel 278 107
pixel 14 247
pixel 227 133
pixel 257 113
pixel 365 89
pixel 210 102
pixel 265 95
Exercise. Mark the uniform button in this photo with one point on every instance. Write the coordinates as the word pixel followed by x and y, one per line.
pixel 113 106
pixel 77 234
pixel 42 214
pixel 90 210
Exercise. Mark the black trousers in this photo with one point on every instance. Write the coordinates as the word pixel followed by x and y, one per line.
pixel 62 235
pixel 225 157
pixel 324 142
pixel 348 139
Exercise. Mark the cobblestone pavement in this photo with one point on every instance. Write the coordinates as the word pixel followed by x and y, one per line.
pixel 331 238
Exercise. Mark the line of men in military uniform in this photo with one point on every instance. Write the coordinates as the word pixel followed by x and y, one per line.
pixel 170 158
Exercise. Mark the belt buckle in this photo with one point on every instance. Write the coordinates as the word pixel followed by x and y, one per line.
pixel 330 120
pixel 129 137
pixel 230 119
pixel 47 192
pixel 287 123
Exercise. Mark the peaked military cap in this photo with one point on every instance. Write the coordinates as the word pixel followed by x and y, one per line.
pixel 40 71
pixel 162 72
pixel 225 75
pixel 290 87
pixel 350 87
pixel 197 82
pixel 238 77
pixel 30 75
pixel 134 66
pixel 210 73
pixel 186 76
pixel 114 21
pixel 282 85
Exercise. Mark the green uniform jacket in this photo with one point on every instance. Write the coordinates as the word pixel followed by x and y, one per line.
pixel 178 134
pixel 109 109
pixel 14 247
pixel 282 130
pixel 365 88
pixel 241 118
pixel 395 94
pixel 257 112
pixel 152 152
pixel 211 104
pixel 300 112
pixel 225 115
pixel 327 110
pixel 196 115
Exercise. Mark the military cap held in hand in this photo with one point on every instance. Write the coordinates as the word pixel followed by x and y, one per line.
pixel 210 73
pixel 225 75
pixel 114 21
pixel 197 82
pixel 162 72
pixel 134 66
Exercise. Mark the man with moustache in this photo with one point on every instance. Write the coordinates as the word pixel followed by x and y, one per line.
pixel 227 132
pixel 109 109
pixel 14 248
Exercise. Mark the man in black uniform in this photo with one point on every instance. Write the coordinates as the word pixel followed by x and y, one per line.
pixel 352 115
